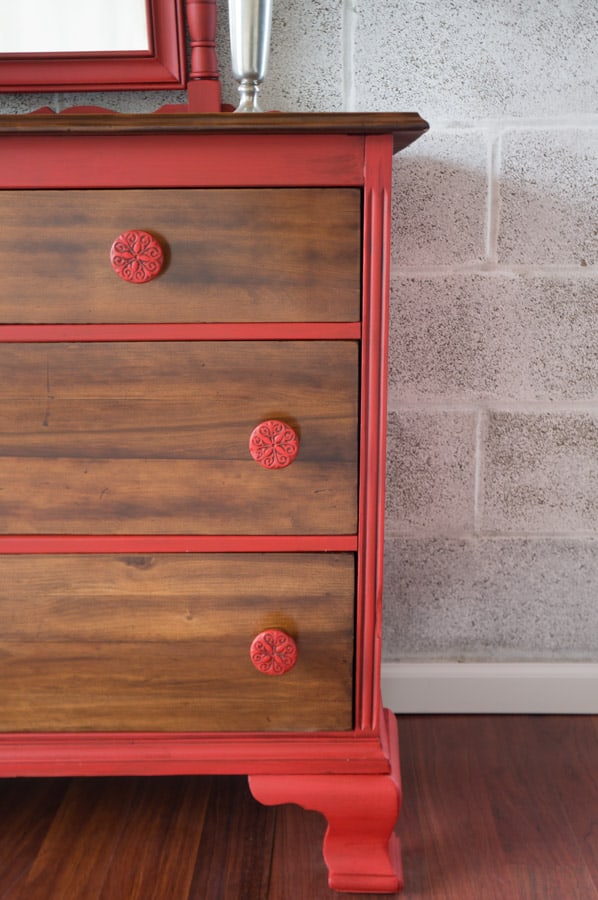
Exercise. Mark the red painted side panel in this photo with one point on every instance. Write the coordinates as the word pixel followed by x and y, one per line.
pixel 376 238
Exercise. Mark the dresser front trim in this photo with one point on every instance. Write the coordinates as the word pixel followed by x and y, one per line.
pixel 187 331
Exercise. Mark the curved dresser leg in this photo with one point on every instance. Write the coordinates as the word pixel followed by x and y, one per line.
pixel 360 848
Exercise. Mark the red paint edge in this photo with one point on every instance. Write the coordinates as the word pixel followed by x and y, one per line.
pixel 204 331
pixel 59 161
pixel 43 754
pixel 144 543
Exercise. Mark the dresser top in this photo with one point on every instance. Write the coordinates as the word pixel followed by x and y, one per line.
pixel 405 127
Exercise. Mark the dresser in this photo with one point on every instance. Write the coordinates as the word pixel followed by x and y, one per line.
pixel 193 320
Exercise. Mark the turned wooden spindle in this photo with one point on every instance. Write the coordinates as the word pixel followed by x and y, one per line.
pixel 204 79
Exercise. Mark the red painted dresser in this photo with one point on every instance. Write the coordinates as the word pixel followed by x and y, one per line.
pixel 192 394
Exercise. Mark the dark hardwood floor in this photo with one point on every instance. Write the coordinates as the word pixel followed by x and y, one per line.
pixel 495 808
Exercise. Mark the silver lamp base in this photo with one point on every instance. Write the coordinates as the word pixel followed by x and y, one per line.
pixel 250 23
pixel 248 93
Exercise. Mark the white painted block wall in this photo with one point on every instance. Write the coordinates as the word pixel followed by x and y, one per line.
pixel 492 526
pixel 493 462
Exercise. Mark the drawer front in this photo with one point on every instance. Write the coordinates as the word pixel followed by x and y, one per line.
pixel 229 255
pixel 153 438
pixel 162 643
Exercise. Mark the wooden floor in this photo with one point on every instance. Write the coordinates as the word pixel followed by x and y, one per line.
pixel 495 808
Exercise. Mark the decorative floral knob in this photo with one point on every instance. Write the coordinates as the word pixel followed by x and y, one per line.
pixel 136 256
pixel 274 444
pixel 273 652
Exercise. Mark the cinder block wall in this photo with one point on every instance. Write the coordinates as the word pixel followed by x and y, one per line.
pixel 492 526
pixel 493 455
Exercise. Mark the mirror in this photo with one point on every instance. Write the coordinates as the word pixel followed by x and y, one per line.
pixel 73 26
pixel 67 45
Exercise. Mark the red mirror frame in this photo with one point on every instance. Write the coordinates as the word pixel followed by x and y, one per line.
pixel 162 67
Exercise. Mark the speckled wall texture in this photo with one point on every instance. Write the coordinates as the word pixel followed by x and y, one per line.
pixel 492 513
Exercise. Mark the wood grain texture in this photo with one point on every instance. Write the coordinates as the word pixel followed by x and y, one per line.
pixel 153 437
pixel 104 854
pixel 208 838
pixel 483 812
pixel 236 847
pixel 21 834
pixel 231 255
pixel 159 643
pixel 575 779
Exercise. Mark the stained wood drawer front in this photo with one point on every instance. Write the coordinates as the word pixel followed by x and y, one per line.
pixel 230 255
pixel 153 438
pixel 161 643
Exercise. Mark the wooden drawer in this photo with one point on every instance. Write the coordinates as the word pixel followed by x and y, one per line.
pixel 153 438
pixel 230 255
pixel 162 643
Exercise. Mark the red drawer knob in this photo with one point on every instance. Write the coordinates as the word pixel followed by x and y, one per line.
pixel 273 652
pixel 274 444
pixel 136 256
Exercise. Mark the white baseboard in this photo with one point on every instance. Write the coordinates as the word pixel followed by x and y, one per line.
pixel 557 688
